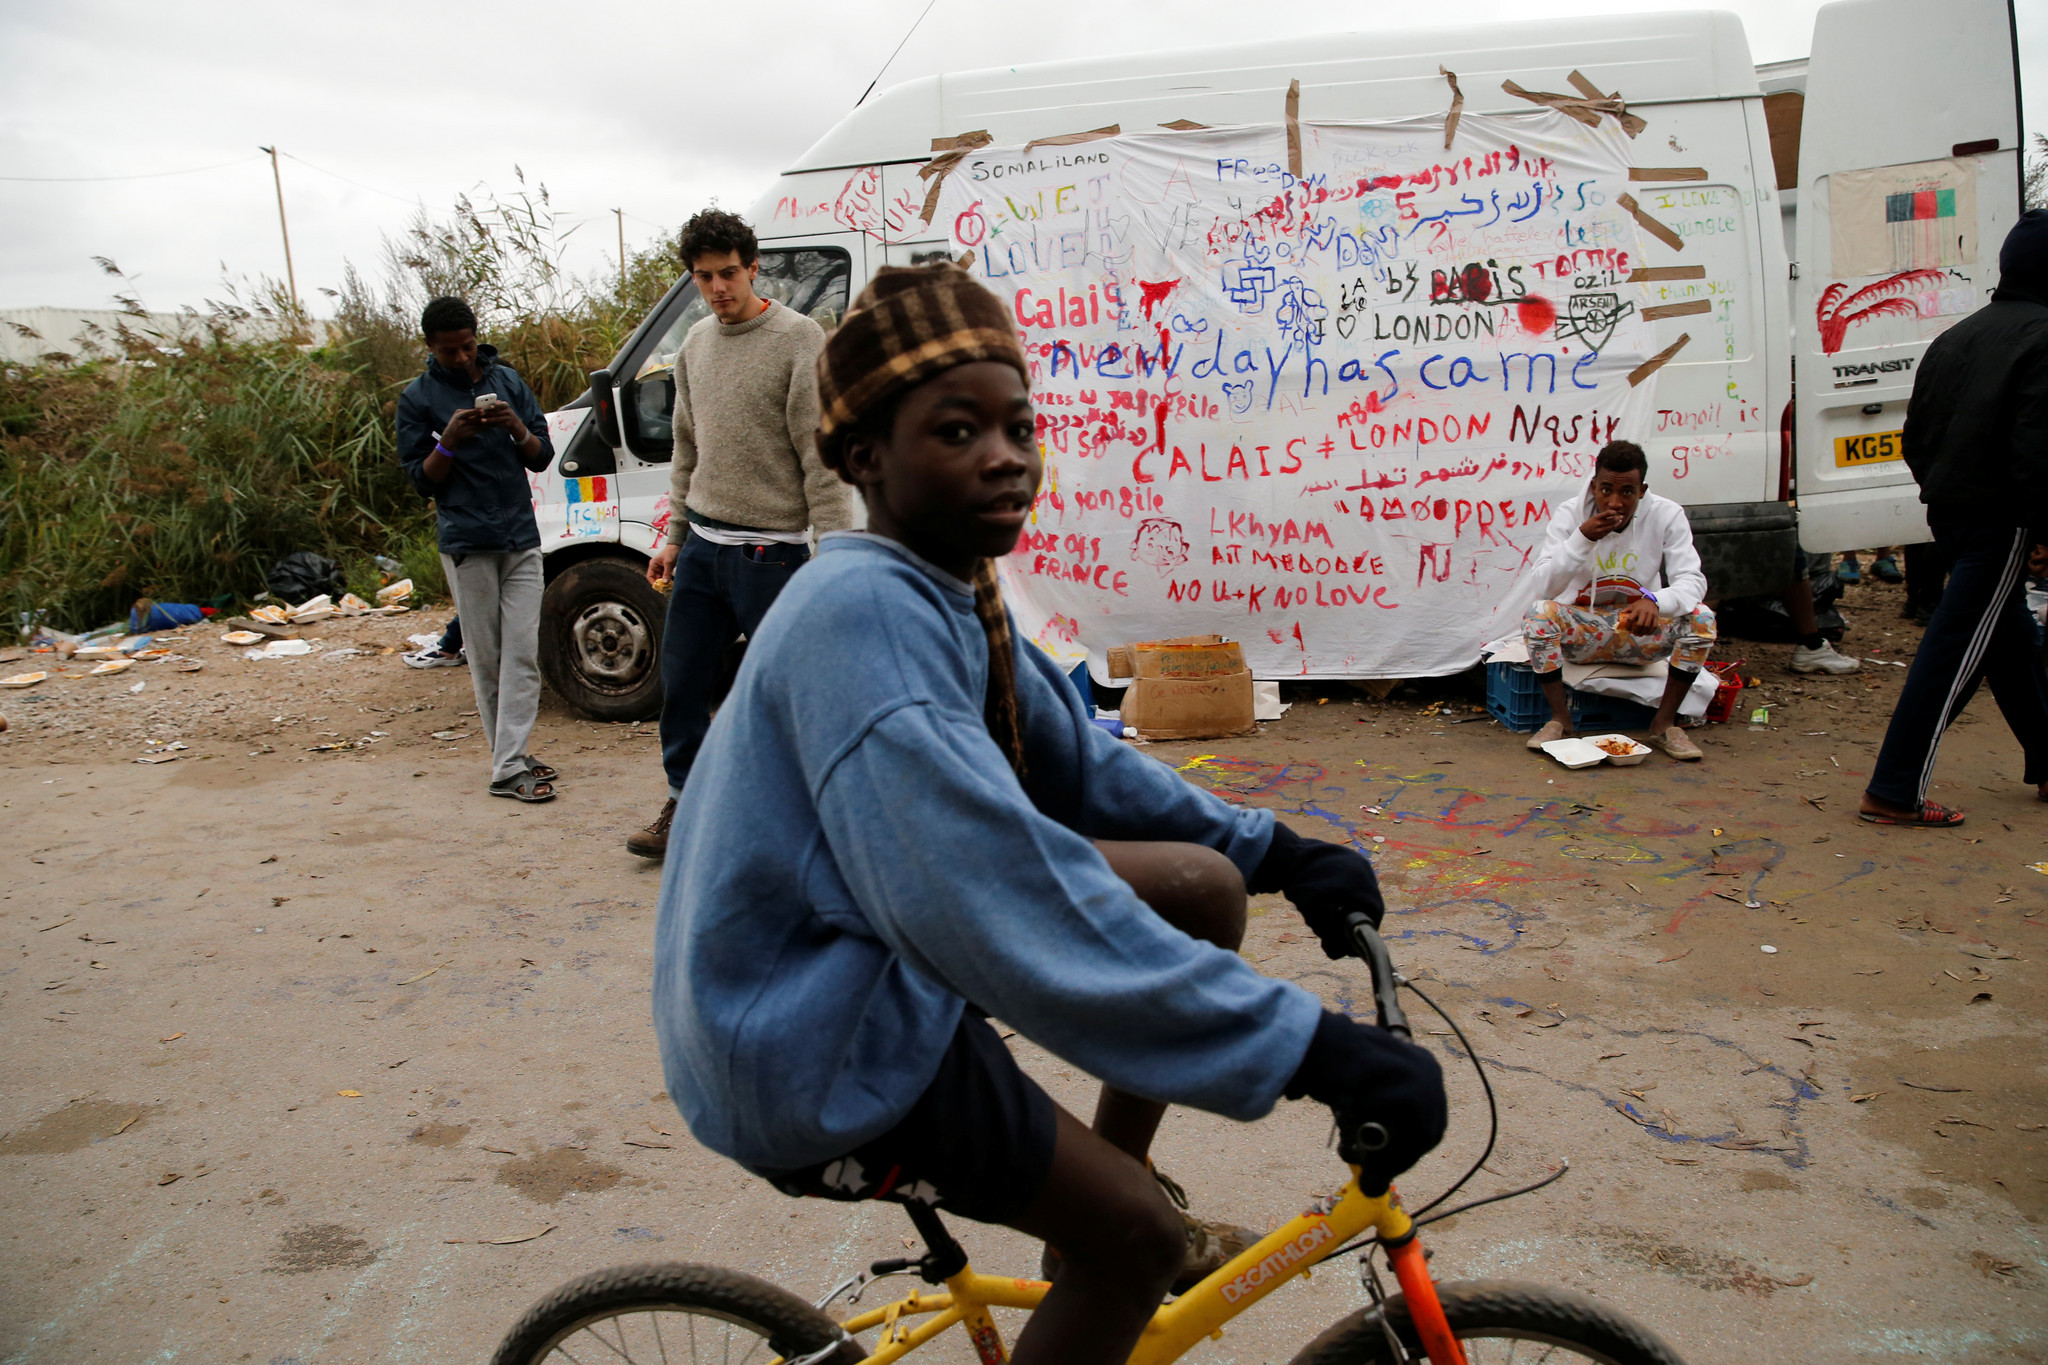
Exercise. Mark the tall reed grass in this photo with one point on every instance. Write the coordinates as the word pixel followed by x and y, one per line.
pixel 181 463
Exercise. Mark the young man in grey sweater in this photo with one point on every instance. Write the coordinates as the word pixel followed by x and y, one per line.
pixel 745 486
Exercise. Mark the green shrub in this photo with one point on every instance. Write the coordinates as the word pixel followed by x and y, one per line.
pixel 181 466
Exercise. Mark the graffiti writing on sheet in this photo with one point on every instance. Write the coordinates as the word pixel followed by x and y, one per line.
pixel 1328 413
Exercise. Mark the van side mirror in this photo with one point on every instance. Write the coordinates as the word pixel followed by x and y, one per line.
pixel 604 403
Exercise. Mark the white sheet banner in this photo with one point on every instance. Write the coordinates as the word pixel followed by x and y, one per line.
pixel 1326 416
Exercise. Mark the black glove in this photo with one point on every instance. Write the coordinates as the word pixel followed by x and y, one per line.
pixel 1325 881
pixel 1388 1096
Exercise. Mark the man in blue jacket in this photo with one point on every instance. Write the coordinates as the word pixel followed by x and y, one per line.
pixel 469 430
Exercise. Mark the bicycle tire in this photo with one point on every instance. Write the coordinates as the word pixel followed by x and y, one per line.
pixel 782 1325
pixel 1497 1310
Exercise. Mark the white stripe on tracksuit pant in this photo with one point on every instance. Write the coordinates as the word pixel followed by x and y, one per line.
pixel 498 598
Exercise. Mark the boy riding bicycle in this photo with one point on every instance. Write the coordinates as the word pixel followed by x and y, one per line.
pixel 902 822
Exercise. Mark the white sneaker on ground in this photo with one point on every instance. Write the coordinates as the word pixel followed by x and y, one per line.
pixel 1823 659
pixel 433 657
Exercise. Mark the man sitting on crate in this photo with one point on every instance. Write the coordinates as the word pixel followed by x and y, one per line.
pixel 1619 582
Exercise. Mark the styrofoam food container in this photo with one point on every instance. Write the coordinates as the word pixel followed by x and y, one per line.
pixel 1636 754
pixel 1575 752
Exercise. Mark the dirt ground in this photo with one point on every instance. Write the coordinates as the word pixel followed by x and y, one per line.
pixel 330 1057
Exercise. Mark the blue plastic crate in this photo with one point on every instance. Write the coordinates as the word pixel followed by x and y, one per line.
pixel 1515 699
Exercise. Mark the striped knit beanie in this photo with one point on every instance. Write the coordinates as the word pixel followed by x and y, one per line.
pixel 910 323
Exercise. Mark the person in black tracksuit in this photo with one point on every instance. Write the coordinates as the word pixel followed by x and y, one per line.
pixel 1977 441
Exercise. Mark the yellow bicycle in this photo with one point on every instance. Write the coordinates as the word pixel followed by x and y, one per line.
pixel 676 1312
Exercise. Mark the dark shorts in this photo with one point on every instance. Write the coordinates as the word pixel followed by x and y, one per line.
pixel 978 1142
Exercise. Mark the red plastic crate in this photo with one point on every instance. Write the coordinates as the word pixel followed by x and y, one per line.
pixel 1722 707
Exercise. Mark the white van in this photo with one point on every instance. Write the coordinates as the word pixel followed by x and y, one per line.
pixel 1905 115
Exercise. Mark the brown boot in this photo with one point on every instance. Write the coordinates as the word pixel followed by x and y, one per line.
pixel 1210 1245
pixel 652 842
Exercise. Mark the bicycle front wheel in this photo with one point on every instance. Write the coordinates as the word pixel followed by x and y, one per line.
pixel 670 1314
pixel 1499 1322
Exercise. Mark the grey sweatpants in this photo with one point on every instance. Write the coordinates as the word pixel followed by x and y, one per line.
pixel 498 598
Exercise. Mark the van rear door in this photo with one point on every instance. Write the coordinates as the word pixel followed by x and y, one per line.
pixel 1909 179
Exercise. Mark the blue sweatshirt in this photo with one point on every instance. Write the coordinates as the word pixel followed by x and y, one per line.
pixel 853 859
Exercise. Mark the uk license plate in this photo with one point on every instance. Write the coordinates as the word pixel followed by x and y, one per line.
pixel 1871 448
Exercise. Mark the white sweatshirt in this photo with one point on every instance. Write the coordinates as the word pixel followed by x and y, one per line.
pixel 1653 552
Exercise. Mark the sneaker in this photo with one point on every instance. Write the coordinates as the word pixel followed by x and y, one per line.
pixel 434 657
pixel 1678 744
pixel 1848 571
pixel 1823 658
pixel 652 842
pixel 1551 730
pixel 1887 569
pixel 1210 1246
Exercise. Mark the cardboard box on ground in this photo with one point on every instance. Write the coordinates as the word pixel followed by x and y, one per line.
pixel 1191 687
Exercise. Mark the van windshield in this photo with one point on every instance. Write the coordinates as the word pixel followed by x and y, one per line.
pixel 813 281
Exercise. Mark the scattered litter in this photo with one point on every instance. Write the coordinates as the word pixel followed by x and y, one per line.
pixel 274 615
pixel 173 1038
pixel 23 679
pixel 451 734
pixel 159 756
pixel 647 1142
pixel 2038 867
pixel 350 1094
pixel 1769 949
pixel 1865 1097
pixel 502 1151
pixel 112 666
pixel 334 746
pixel 1679 1160
pixel 68 919
pixel 1797 1282
pixel 127 1124
pixel 169 1178
pixel 1610 1056
pixel 520 1237
pixel 1938 1089
pixel 137 687
pixel 1675 956
pixel 391 594
pixel 422 976
pixel 282 649
pixel 241 637
pixel 1981 998
pixel 345 652
pixel 186 665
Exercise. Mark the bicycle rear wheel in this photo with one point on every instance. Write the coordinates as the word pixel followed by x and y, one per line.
pixel 1499 1322
pixel 670 1314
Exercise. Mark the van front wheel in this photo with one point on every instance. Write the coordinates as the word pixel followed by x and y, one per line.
pixel 600 639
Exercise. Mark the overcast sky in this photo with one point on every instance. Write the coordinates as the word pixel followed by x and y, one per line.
pixel 650 108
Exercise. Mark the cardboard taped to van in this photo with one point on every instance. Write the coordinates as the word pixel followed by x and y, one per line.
pixel 1327 414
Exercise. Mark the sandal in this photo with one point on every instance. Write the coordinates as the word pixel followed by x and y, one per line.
pixel 1931 814
pixel 541 770
pixel 528 786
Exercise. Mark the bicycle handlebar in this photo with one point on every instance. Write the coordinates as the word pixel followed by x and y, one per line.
pixel 1386 981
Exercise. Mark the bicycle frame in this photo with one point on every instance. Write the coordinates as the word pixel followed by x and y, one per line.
pixel 1291 1250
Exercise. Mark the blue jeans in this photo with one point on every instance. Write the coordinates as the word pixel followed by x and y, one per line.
pixel 1980 632
pixel 721 592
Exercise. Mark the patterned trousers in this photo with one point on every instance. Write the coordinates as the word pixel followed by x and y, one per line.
pixel 1557 631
